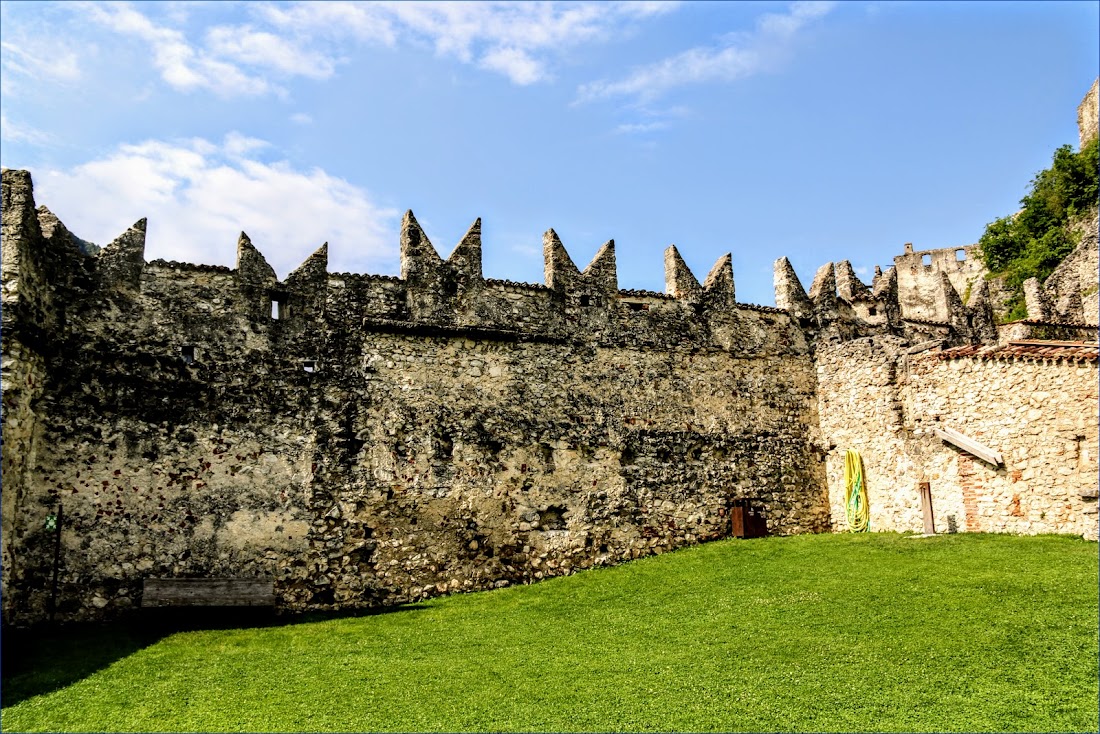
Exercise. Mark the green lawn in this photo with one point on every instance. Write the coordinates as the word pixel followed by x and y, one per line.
pixel 876 632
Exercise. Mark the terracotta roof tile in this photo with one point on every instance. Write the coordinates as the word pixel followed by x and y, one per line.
pixel 1031 351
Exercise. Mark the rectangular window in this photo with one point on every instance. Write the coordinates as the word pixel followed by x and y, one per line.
pixel 309 365
pixel 187 352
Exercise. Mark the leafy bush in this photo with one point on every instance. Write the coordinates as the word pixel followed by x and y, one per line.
pixel 1033 241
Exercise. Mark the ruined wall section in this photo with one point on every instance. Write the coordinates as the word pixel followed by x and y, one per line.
pixel 1072 291
pixel 370 440
pixel 840 308
pixel 1037 411
pixel 919 279
pixel 1088 114
pixel 40 265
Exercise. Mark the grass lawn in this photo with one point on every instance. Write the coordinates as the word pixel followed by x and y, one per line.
pixel 875 632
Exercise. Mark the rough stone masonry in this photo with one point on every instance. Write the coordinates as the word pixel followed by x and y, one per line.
pixel 369 440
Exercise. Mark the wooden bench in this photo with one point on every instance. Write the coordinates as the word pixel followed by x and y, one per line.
pixel 223 592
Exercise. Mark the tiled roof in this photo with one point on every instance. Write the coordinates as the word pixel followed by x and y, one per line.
pixel 516 284
pixel 628 292
pixel 762 309
pixel 194 267
pixel 926 322
pixel 1027 350
pixel 1061 324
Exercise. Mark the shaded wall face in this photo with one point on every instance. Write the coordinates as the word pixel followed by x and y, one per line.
pixel 187 436
pixel 1040 416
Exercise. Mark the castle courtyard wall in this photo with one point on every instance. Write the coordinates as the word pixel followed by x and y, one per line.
pixel 1038 412
pixel 203 421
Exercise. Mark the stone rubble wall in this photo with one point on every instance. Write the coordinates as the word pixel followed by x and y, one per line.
pixel 206 421
pixel 919 285
pixel 1073 289
pixel 1040 415
pixel 1088 114
pixel 23 376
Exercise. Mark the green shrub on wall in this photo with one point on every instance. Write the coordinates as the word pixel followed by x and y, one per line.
pixel 1033 241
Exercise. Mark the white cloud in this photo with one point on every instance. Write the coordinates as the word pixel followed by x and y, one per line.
pixel 15 133
pixel 301 118
pixel 259 48
pixel 632 128
pixel 513 39
pixel 181 64
pixel 514 63
pixel 517 40
pixel 742 55
pixel 199 195
pixel 39 59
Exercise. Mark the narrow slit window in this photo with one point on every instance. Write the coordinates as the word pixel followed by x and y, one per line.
pixel 278 309
pixel 187 353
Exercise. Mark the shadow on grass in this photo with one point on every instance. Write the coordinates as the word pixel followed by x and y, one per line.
pixel 44 659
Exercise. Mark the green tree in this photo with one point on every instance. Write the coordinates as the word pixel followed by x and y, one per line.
pixel 1033 241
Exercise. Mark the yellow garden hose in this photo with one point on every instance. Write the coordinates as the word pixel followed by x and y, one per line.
pixel 855 493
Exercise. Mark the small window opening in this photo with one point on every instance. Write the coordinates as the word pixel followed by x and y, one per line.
pixel 278 308
pixel 309 365
pixel 926 260
pixel 187 352
pixel 634 306
pixel 871 310
pixel 586 300
pixel 960 255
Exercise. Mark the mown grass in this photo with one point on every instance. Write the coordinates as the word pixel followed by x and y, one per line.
pixel 876 632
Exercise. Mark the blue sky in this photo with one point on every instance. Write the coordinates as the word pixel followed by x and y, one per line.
pixel 817 131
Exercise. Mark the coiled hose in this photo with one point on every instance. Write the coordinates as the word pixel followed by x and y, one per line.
pixel 855 493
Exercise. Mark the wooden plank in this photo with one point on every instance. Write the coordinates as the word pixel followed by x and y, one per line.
pixel 1050 342
pixel 970 446
pixel 216 592
pixel 926 508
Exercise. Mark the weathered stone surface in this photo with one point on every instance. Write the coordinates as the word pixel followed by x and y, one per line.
pixel 362 453
pixel 1038 413
pixel 370 440
pixel 789 294
pixel 680 282
pixel 1088 114
pixel 848 285
pixel 1035 300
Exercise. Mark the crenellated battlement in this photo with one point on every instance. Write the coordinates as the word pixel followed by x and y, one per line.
pixel 840 307
pixel 372 439
pixel 573 304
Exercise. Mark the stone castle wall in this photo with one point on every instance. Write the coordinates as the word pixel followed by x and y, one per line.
pixel 1035 405
pixel 369 440
pixel 920 280
pixel 1088 114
